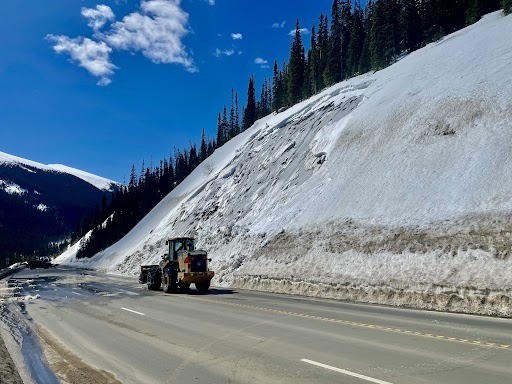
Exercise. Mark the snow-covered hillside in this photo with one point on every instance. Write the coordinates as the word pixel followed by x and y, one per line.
pixel 97 181
pixel 393 187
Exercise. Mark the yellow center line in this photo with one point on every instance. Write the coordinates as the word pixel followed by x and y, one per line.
pixel 356 324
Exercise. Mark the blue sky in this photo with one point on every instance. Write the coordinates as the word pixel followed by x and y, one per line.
pixel 91 88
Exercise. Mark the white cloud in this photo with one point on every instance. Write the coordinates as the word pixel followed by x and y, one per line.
pixel 98 17
pixel 225 52
pixel 236 36
pixel 303 31
pixel 211 2
pixel 156 32
pixel 261 62
pixel 92 55
pixel 279 25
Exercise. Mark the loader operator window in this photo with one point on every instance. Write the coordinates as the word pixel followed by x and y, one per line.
pixel 179 245
pixel 189 245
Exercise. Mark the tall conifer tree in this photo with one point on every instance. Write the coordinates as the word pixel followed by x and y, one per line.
pixel 203 149
pixel 410 25
pixel 323 51
pixel 220 133
pixel 365 63
pixel 313 63
pixel 296 68
pixel 474 12
pixel 356 43
pixel 250 109
pixel 507 6
pixel 333 75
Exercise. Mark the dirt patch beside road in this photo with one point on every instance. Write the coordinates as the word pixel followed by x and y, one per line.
pixel 67 366
pixel 9 374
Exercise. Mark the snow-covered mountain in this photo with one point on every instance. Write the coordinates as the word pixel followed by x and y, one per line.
pixel 97 181
pixel 40 204
pixel 393 187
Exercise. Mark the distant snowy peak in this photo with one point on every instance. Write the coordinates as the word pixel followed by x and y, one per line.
pixel 6 158
pixel 97 181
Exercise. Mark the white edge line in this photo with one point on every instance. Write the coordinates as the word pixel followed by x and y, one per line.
pixel 362 377
pixel 132 311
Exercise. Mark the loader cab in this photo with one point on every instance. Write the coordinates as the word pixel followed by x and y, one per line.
pixel 180 244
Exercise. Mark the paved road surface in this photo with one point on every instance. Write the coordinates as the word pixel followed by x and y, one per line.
pixel 232 336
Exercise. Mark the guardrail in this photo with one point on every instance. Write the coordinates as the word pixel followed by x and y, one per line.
pixel 8 271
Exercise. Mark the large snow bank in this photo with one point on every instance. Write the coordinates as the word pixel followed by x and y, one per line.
pixel 393 187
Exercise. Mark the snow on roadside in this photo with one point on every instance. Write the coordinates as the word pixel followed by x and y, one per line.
pixel 393 187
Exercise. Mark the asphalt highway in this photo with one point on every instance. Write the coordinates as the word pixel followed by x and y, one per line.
pixel 234 336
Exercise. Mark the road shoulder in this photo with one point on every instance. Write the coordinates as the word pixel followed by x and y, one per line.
pixel 9 374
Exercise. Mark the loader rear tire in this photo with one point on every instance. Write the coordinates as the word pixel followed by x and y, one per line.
pixel 168 281
pixel 203 287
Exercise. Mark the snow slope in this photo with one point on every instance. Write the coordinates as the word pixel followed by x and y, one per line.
pixel 97 181
pixel 393 187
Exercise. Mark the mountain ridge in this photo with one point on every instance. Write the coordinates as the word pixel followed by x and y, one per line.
pixel 40 206
pixel 95 180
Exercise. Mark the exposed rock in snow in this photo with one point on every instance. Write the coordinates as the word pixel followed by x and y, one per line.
pixel 12 188
pixel 42 207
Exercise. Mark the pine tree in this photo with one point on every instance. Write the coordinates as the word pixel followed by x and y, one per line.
pixel 142 173
pixel 193 159
pixel 249 115
pixel 345 22
pixel 220 133
pixel 261 106
pixel 431 15
pixel 507 6
pixel 225 125
pixel 323 52
pixel 276 87
pixel 133 179
pixel 392 30
pixel 237 115
pixel 203 149
pixel 312 64
pixel 365 63
pixel 231 123
pixel 410 25
pixel 474 12
pixel 453 16
pixel 378 36
pixel 211 147
pixel 296 68
pixel 356 43
pixel 333 74
pixel 487 6
pixel 270 96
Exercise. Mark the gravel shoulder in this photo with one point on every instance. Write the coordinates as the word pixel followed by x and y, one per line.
pixel 7 367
